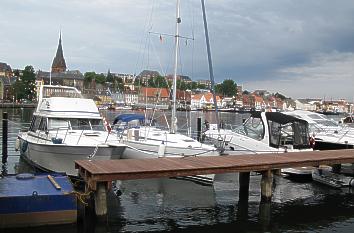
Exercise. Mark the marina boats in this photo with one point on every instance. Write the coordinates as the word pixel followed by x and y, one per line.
pixel 265 132
pixel 66 127
pixel 148 141
pixel 328 134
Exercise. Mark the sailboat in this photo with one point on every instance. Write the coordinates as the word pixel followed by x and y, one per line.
pixel 146 141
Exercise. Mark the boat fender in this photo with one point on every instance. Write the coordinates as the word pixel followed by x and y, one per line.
pixel 24 146
pixel 162 148
pixel 351 182
pixel 24 176
pixel 17 144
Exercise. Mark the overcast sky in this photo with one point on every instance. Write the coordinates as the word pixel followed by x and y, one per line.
pixel 300 48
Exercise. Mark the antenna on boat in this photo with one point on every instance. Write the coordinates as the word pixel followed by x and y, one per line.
pixel 173 117
pixel 211 73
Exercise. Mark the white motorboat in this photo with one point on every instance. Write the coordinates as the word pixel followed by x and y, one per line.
pixel 265 132
pixel 66 127
pixel 144 141
pixel 327 134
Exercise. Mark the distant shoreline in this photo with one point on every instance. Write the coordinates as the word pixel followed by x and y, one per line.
pixel 18 105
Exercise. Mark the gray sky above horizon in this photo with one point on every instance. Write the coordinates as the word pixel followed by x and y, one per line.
pixel 300 48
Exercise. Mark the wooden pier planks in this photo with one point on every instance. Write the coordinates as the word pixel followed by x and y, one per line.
pixel 108 170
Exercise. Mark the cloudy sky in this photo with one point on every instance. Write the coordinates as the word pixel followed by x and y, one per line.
pixel 300 48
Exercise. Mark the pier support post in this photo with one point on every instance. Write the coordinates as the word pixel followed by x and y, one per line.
pixel 4 136
pixel 244 183
pixel 101 199
pixel 266 186
pixel 199 129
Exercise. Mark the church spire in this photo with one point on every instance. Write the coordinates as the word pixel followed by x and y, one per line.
pixel 59 64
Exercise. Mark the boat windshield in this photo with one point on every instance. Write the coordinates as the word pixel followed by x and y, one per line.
pixel 75 124
pixel 253 128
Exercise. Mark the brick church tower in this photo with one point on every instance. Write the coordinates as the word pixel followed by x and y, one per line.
pixel 59 64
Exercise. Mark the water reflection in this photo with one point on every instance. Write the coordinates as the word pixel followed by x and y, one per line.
pixel 161 205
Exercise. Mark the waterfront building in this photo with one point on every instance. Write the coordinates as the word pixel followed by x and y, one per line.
pixel 6 80
pixel 205 100
pixel 152 95
pixel 5 70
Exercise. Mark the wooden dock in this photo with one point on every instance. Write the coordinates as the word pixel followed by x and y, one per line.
pixel 99 174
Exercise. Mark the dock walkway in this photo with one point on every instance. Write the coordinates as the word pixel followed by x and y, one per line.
pixel 99 174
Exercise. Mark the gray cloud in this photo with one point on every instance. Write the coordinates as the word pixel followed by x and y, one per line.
pixel 255 42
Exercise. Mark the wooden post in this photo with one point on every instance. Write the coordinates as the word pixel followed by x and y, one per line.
pixel 244 183
pixel 4 136
pixel 199 129
pixel 265 215
pixel 266 186
pixel 101 199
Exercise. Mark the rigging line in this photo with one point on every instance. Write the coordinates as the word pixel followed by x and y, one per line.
pixel 147 24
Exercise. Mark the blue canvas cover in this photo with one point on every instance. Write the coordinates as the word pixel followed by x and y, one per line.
pixel 128 117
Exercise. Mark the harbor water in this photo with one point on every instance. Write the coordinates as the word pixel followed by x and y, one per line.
pixel 174 205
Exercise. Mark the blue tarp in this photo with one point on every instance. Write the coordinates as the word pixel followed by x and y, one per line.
pixel 128 117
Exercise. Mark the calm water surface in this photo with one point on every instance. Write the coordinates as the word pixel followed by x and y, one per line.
pixel 170 205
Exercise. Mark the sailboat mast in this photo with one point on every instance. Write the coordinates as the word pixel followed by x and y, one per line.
pixel 173 117
pixel 211 72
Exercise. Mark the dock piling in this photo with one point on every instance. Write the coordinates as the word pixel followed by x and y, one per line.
pixel 100 197
pixel 4 136
pixel 199 129
pixel 244 183
pixel 266 185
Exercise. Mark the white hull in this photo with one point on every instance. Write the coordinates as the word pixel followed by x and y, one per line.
pixel 61 157
pixel 141 149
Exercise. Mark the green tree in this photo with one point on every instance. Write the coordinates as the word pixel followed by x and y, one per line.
pixel 24 87
pixel 88 78
pixel 100 78
pixel 229 87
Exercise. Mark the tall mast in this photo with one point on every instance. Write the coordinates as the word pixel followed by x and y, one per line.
pixel 173 117
pixel 211 72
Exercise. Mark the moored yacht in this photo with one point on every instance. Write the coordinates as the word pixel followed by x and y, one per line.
pixel 66 127
pixel 327 134
pixel 265 132
pixel 145 141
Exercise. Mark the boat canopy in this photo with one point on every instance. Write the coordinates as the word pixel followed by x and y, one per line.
pixel 128 117
pixel 279 117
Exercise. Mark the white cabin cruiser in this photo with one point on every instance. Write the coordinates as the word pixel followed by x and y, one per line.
pixel 328 134
pixel 66 127
pixel 266 132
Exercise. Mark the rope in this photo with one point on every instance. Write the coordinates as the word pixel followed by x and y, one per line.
pixel 82 196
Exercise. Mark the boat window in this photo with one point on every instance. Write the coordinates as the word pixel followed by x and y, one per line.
pixel 252 128
pixel 86 124
pixel 35 124
pixel 295 134
pixel 58 123
pixel 43 124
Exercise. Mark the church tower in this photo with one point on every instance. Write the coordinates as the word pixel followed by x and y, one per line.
pixel 59 64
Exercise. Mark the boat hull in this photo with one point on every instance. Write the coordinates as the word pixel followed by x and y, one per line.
pixel 61 157
pixel 322 145
pixel 140 150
